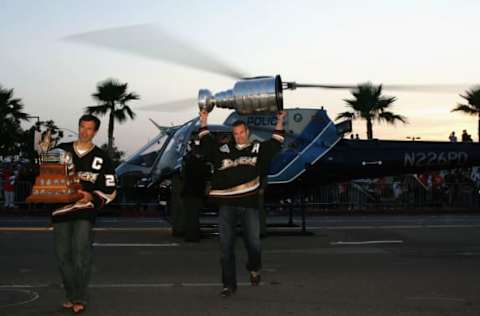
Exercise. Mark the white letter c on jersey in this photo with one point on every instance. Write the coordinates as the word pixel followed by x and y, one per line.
pixel 97 163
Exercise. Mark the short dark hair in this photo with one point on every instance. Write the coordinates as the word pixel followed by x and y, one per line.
pixel 90 118
pixel 239 123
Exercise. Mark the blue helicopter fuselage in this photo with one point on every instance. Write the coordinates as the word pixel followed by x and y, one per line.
pixel 315 151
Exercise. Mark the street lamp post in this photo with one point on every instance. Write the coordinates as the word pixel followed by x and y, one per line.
pixel 35 117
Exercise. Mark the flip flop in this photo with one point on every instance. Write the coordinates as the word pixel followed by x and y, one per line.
pixel 78 308
pixel 67 305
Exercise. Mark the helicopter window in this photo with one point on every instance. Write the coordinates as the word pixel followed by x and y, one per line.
pixel 223 138
pixel 146 157
pixel 260 135
pixel 220 137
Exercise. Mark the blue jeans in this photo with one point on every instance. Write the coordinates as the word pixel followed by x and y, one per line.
pixel 228 217
pixel 74 252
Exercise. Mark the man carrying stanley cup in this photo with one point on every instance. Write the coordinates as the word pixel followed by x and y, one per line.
pixel 238 169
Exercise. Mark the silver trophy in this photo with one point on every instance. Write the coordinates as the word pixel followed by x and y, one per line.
pixel 262 94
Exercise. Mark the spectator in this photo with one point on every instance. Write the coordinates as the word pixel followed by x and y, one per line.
pixel 2 195
pixel 475 176
pixel 466 137
pixel 452 137
pixel 397 189
pixel 195 173
pixel 9 187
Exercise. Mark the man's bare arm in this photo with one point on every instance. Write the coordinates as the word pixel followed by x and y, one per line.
pixel 280 120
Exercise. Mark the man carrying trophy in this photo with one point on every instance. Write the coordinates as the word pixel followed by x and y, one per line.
pixel 73 223
pixel 238 169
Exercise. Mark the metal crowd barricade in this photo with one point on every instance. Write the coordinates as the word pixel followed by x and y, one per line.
pixel 355 196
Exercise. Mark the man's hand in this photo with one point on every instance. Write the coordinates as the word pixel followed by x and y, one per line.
pixel 203 118
pixel 87 196
pixel 280 120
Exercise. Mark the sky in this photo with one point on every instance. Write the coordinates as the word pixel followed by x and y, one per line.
pixel 389 42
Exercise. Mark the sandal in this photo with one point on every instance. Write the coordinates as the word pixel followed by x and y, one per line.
pixel 78 308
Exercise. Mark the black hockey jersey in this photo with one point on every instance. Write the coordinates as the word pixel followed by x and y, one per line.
pixel 238 170
pixel 97 176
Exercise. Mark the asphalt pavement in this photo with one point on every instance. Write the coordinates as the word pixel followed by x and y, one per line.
pixel 345 265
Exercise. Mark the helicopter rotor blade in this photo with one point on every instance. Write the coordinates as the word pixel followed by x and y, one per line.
pixel 182 105
pixel 294 85
pixel 391 87
pixel 148 41
pixel 425 87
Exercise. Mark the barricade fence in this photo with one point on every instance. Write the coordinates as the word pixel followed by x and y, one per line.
pixel 351 196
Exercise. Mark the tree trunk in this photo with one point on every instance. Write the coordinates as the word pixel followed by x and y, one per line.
pixel 369 129
pixel 111 121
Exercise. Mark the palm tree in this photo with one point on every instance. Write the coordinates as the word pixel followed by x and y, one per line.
pixel 112 98
pixel 117 156
pixel 473 107
pixel 11 109
pixel 370 105
pixel 11 116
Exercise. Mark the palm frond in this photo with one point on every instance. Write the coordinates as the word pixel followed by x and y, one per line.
pixel 129 97
pixel 345 115
pixel 473 97
pixel 129 111
pixel 119 115
pixel 391 118
pixel 465 108
pixel 98 109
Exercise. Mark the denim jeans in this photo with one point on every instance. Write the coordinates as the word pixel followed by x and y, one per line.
pixel 228 217
pixel 74 252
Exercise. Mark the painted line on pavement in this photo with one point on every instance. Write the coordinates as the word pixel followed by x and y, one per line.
pixel 330 227
pixel 419 226
pixel 98 244
pixel 366 242
pixel 134 229
pixel 97 229
pixel 437 298
pixel 33 297
pixel 130 285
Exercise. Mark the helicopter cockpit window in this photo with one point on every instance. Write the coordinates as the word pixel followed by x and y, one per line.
pixel 223 138
pixel 146 157
pixel 260 135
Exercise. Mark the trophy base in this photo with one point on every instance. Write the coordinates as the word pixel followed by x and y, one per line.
pixel 54 199
pixel 55 185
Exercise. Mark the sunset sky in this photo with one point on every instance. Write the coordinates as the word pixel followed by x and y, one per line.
pixel 404 42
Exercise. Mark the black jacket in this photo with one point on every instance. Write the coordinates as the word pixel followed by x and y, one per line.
pixel 97 176
pixel 238 171
pixel 195 173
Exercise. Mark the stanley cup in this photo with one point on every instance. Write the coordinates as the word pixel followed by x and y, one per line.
pixel 263 94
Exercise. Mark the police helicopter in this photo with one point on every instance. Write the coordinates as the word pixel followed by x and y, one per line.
pixel 315 150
